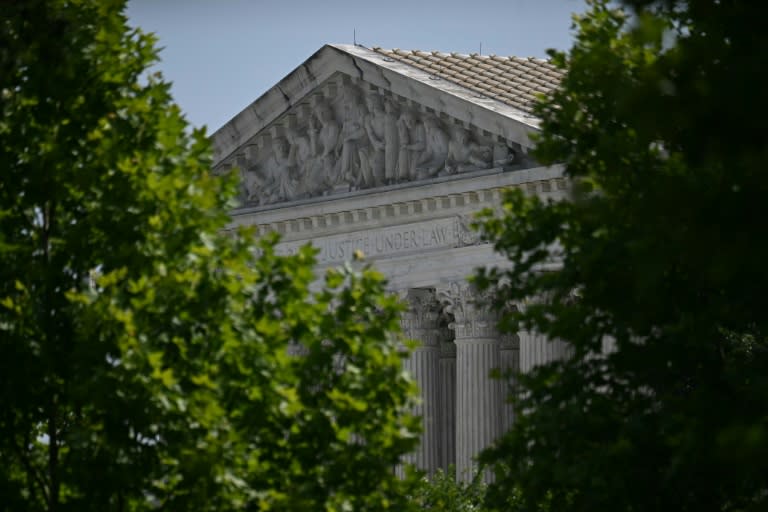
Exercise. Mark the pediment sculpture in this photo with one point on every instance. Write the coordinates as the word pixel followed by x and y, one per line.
pixel 348 137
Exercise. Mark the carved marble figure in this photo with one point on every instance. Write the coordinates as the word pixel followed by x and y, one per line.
pixel 503 154
pixel 372 156
pixel 324 136
pixel 282 171
pixel 352 137
pixel 433 158
pixel 300 160
pixel 417 143
pixel 254 183
pixel 258 179
pixel 464 154
pixel 411 137
pixel 391 145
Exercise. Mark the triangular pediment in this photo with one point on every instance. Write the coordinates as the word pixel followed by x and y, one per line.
pixel 349 119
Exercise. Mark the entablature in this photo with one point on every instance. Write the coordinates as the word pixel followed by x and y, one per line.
pixel 305 220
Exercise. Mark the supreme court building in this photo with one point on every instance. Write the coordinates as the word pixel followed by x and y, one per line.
pixel 391 152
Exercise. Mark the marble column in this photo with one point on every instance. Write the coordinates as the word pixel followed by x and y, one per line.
pixel 447 409
pixel 478 395
pixel 536 349
pixel 421 322
pixel 510 364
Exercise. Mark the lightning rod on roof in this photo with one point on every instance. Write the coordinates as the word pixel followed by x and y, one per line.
pixel 481 48
pixel 354 36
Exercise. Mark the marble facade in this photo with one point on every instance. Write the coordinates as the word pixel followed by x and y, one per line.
pixel 354 151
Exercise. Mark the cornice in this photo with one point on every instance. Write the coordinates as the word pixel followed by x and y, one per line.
pixel 399 205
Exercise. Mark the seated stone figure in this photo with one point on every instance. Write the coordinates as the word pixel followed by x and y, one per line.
pixel 433 158
pixel 255 185
pixel 464 154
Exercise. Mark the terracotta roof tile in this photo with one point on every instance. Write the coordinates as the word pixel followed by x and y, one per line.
pixel 515 81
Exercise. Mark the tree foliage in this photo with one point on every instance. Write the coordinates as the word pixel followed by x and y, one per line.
pixel 144 349
pixel 443 492
pixel 659 253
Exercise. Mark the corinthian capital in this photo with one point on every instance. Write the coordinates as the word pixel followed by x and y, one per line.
pixel 473 316
pixel 421 321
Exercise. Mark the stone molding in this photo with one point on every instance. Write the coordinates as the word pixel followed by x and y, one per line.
pixel 402 211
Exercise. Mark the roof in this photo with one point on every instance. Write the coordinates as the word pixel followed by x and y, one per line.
pixel 511 80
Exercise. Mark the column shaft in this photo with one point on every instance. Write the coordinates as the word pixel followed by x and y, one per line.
pixel 447 409
pixel 536 349
pixel 510 365
pixel 421 323
pixel 478 397
pixel 423 365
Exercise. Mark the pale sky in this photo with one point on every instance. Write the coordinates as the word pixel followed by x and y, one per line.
pixel 223 54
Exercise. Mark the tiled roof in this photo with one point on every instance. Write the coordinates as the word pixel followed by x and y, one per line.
pixel 512 80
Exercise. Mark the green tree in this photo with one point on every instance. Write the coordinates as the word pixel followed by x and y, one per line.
pixel 442 492
pixel 661 252
pixel 143 348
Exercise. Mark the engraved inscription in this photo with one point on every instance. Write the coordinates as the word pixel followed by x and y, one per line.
pixel 383 242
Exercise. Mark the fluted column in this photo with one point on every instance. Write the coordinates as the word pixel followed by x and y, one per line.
pixel 478 395
pixel 510 366
pixel 447 409
pixel 536 349
pixel 421 323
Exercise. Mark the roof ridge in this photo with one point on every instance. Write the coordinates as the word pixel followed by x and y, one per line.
pixel 381 49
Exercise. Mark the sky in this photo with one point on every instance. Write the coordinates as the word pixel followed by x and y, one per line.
pixel 221 55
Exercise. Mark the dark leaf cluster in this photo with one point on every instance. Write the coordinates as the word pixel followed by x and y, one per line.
pixel 652 271
pixel 151 356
